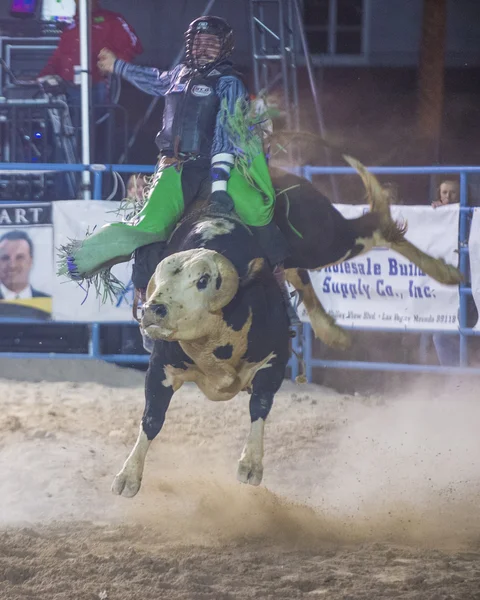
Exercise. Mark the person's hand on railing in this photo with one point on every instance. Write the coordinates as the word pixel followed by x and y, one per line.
pixel 106 61
pixel 49 79
pixel 52 84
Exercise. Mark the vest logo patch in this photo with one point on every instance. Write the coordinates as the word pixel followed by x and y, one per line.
pixel 178 87
pixel 201 90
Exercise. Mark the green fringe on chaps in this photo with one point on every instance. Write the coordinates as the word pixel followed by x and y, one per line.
pixel 92 258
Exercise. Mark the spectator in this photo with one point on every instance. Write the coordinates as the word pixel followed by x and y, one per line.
pixel 109 30
pixel 447 346
pixel 448 193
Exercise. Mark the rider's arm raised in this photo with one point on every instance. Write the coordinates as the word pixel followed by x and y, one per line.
pixel 147 79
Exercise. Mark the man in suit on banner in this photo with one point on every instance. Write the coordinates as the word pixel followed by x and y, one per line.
pixel 16 261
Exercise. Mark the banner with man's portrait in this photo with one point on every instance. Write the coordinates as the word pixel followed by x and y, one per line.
pixel 26 261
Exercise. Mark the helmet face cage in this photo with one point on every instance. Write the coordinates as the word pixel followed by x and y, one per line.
pixel 209 25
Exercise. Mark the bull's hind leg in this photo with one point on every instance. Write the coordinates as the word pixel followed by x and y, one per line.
pixel 265 385
pixel 158 393
pixel 323 324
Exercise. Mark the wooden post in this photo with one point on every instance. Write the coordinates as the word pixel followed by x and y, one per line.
pixel 431 76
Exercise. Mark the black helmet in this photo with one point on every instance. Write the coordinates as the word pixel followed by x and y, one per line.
pixel 213 26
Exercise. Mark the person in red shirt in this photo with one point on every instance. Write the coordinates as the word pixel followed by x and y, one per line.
pixel 109 30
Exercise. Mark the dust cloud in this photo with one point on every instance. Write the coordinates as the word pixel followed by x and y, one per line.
pixel 409 470
pixel 337 468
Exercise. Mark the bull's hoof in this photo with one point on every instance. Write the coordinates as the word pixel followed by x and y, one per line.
pixel 451 275
pixel 249 473
pixel 334 337
pixel 126 484
pixel 341 340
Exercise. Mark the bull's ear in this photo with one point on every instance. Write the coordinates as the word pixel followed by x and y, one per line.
pixel 226 283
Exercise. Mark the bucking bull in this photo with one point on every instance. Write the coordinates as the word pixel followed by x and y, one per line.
pixel 217 315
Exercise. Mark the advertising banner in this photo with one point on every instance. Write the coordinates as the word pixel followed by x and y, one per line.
pixel 72 219
pixel 474 249
pixel 26 261
pixel 381 289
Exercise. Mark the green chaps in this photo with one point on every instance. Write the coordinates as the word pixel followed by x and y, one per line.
pixel 252 193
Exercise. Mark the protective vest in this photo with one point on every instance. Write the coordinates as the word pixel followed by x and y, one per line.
pixel 191 108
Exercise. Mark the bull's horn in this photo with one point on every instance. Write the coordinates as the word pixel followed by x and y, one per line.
pixel 228 285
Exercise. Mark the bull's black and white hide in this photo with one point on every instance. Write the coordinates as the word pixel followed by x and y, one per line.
pixel 218 319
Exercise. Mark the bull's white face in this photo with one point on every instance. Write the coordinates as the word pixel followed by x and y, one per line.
pixel 185 291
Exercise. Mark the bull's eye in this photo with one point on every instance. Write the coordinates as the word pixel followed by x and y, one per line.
pixel 203 282
pixel 160 310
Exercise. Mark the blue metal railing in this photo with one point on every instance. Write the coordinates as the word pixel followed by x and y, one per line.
pixel 303 343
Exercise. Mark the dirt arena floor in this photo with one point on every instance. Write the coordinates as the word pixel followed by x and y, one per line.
pixel 363 498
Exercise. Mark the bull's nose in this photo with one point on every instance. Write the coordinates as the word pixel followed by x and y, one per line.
pixel 159 309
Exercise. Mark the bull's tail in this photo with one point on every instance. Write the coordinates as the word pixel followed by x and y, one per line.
pixel 379 203
pixel 392 234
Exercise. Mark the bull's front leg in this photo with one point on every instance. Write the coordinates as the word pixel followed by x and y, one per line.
pixel 158 393
pixel 250 465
